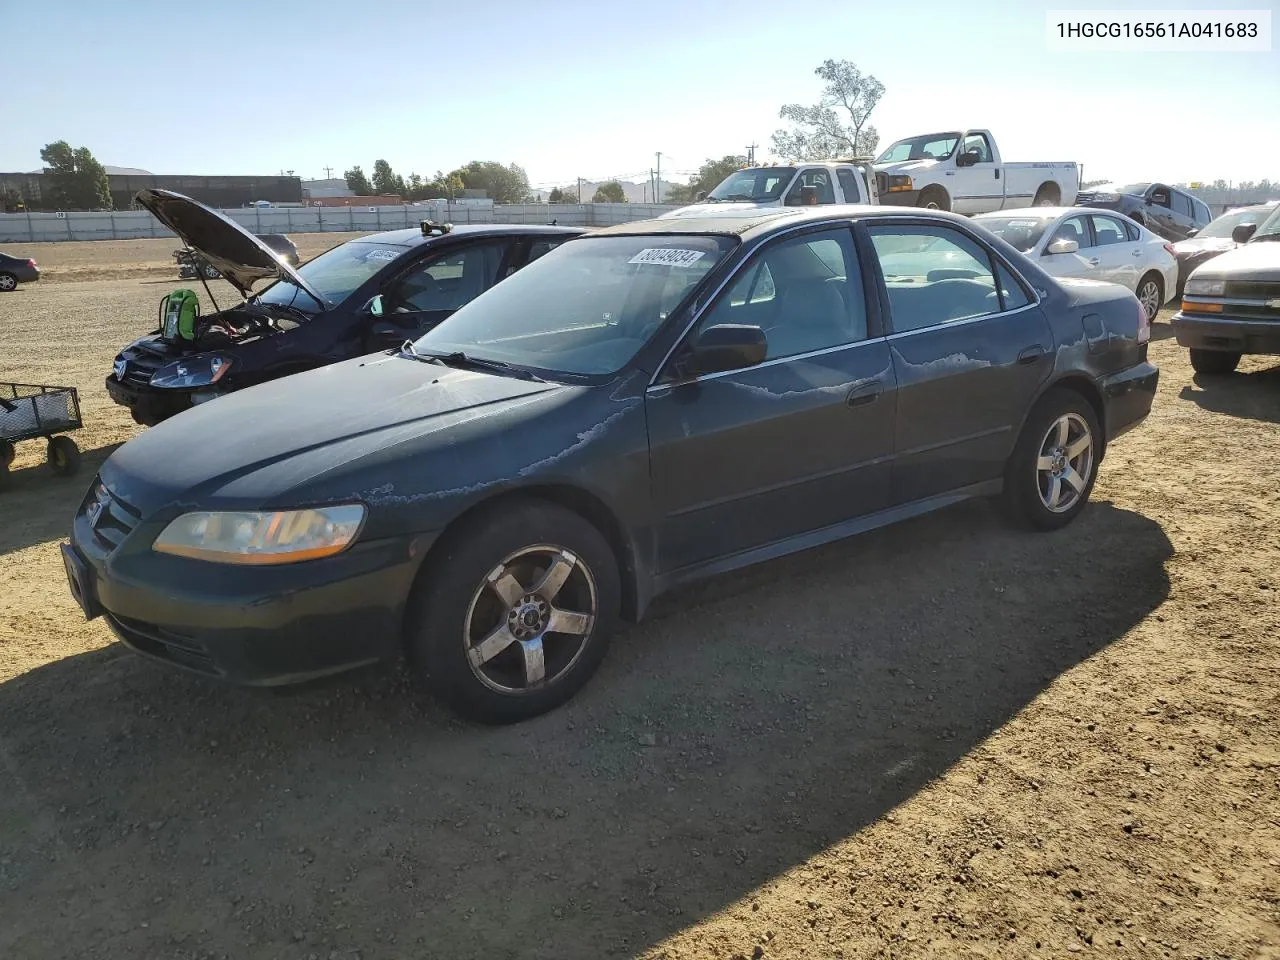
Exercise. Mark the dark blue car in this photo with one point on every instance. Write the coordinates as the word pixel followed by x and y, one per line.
pixel 16 270
pixel 645 405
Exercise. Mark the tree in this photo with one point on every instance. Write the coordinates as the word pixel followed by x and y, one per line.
pixel 501 184
pixel 11 200
pixel 679 193
pixel 837 123
pixel 77 181
pixel 711 173
pixel 609 192
pixel 358 183
pixel 562 195
pixel 385 180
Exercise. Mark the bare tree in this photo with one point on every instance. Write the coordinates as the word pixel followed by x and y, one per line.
pixel 837 124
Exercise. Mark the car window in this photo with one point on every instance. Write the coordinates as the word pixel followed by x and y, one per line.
pixel 1202 212
pixel 1012 293
pixel 1108 231
pixel 804 293
pixel 537 249
pixel 1131 231
pixel 849 184
pixel 1160 196
pixel 1074 228
pixel 1181 204
pixel 448 281
pixel 978 143
pixel 821 179
pixel 946 280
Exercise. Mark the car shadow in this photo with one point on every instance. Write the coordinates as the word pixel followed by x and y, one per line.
pixel 1252 395
pixel 751 722
pixel 37 504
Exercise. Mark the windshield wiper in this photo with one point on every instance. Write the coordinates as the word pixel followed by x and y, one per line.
pixel 459 359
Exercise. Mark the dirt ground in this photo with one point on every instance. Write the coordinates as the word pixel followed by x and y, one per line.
pixel 945 739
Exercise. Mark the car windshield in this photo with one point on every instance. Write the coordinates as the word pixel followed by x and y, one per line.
pixel 1269 229
pixel 932 146
pixel 1133 189
pixel 1022 233
pixel 584 309
pixel 335 275
pixel 1223 226
pixel 761 183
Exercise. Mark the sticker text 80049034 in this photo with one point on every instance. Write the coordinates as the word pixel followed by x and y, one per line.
pixel 667 256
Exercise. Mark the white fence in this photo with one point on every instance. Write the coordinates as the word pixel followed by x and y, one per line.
pixel 135 224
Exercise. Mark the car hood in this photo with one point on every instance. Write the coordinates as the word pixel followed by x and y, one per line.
pixel 905 166
pixel 1195 245
pixel 237 254
pixel 253 447
pixel 1251 261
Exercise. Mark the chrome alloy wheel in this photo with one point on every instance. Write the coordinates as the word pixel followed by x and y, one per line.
pixel 1065 463
pixel 530 620
pixel 1149 296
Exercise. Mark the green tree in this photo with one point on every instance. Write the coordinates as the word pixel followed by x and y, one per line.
pixel 385 180
pixel 679 193
pixel 501 184
pixel 357 182
pixel 609 192
pixel 562 195
pixel 837 124
pixel 713 172
pixel 11 200
pixel 77 181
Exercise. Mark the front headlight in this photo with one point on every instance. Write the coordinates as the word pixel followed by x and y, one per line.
pixel 1206 288
pixel 899 183
pixel 192 372
pixel 256 537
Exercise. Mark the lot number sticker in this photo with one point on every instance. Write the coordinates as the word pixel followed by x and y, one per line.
pixel 667 257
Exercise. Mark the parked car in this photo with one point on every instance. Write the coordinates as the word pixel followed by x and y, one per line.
pixel 765 188
pixel 191 265
pixel 648 404
pixel 1231 305
pixel 1172 213
pixel 1216 238
pixel 1078 242
pixel 962 170
pixel 358 297
pixel 16 270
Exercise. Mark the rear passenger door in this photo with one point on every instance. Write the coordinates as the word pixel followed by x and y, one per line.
pixel 969 355
pixel 1117 256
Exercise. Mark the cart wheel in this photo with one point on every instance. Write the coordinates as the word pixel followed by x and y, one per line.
pixel 64 455
pixel 7 453
pixel 6 478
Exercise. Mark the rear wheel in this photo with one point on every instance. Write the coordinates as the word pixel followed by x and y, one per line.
pixel 513 615
pixel 1151 294
pixel 8 282
pixel 1215 362
pixel 1050 475
pixel 210 271
pixel 63 455
pixel 1047 196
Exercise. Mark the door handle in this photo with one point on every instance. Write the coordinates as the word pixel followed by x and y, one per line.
pixel 1137 253
pixel 1093 261
pixel 864 391
pixel 1031 354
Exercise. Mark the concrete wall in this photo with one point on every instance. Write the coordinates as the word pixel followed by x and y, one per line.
pixel 135 224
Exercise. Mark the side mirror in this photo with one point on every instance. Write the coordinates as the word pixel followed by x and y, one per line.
pixel 1243 232
pixel 1063 246
pixel 728 346
pixel 374 306
pixel 967 159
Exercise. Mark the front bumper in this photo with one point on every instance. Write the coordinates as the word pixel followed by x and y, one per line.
pixel 900 198
pixel 1127 397
pixel 252 626
pixel 1224 332
pixel 147 405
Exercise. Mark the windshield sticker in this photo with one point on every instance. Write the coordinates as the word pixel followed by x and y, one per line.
pixel 668 256
pixel 387 255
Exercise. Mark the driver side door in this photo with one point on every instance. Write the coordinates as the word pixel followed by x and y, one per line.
pixel 436 286
pixel 978 188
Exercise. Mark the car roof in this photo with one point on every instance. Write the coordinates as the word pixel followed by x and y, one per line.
pixel 413 236
pixel 757 223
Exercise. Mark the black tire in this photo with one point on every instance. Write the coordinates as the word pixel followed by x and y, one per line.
pixel 1047 196
pixel 7 453
pixel 8 282
pixel 1215 363
pixel 1026 486
pixel 63 456
pixel 1139 219
pixel 6 478
pixel 1156 297
pixel 454 605
pixel 934 198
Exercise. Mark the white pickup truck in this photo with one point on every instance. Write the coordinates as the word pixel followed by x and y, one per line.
pixel 962 171
pixel 837 181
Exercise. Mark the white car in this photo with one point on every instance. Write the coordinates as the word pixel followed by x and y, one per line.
pixel 1095 245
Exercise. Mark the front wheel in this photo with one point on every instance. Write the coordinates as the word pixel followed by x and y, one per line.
pixel 1050 475
pixel 513 615
pixel 1215 363
pixel 934 198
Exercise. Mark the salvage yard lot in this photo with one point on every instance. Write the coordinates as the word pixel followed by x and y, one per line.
pixel 943 739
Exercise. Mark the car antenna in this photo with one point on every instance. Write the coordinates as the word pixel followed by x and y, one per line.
pixel 205 281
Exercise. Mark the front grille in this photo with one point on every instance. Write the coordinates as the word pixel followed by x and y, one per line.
pixel 1253 289
pixel 110 517
pixel 164 643
pixel 142 361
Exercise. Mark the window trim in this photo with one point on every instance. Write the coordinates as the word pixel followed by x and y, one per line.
pixel 1093 226
pixel 991 155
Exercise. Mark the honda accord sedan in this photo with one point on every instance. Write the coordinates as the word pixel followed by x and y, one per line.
pixel 645 405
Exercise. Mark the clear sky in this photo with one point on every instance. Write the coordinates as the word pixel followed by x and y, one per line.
pixel 593 89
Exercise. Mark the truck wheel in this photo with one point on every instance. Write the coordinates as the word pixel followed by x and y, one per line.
pixel 934 198
pixel 1047 196
pixel 1138 219
pixel 1214 363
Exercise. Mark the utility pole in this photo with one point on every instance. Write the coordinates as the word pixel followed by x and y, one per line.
pixel 328 172
pixel 751 154
pixel 658 182
pixel 579 190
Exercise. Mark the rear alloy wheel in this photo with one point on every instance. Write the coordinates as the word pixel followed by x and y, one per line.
pixel 8 282
pixel 1215 363
pixel 1151 295
pixel 512 618
pixel 63 455
pixel 1051 472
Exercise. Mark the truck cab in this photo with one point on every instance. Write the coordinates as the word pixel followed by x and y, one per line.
pixel 793 185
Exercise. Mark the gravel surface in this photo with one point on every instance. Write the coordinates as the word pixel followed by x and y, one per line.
pixel 943 739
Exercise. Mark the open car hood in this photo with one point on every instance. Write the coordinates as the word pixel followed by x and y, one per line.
pixel 238 255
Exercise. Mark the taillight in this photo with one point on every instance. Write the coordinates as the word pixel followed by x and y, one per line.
pixel 1144 325
pixel 31 263
pixel 1169 250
